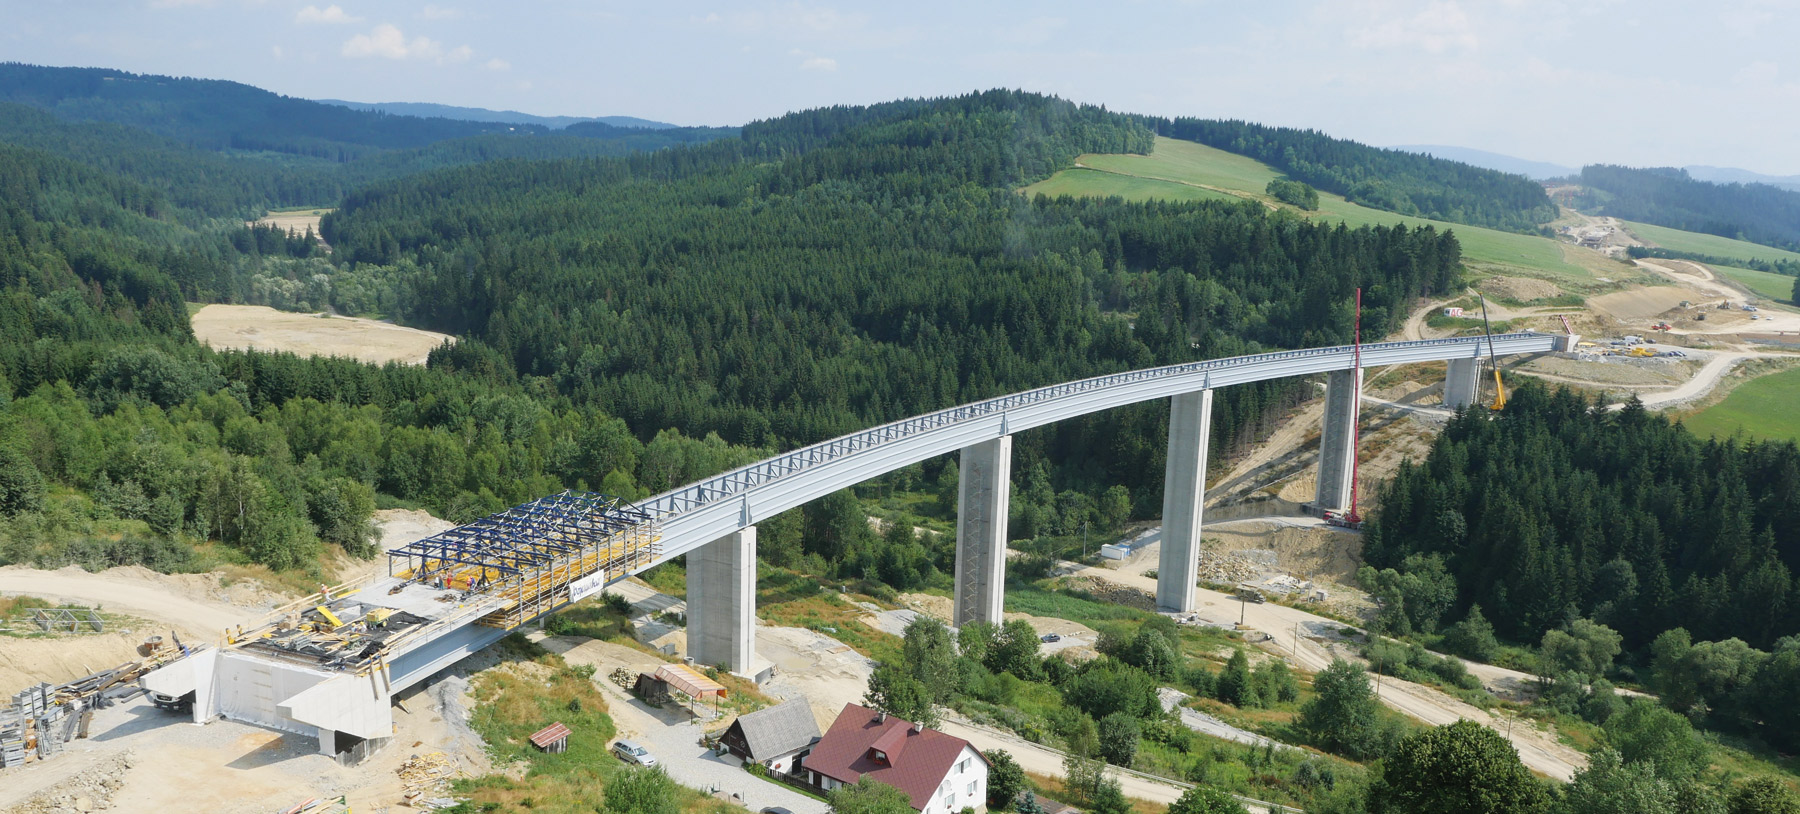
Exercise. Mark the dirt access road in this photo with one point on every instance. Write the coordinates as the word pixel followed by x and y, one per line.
pixel 1312 642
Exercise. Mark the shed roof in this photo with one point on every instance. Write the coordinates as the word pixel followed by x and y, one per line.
pixel 690 681
pixel 918 758
pixel 778 730
pixel 549 735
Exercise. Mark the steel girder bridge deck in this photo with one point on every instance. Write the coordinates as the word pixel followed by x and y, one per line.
pixel 464 588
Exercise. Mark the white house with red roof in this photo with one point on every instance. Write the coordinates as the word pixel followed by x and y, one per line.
pixel 942 774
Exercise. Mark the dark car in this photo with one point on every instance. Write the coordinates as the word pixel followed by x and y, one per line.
pixel 1051 637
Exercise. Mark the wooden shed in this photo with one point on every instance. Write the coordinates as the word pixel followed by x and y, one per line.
pixel 553 738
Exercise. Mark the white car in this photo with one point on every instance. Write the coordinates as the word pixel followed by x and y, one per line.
pixel 633 753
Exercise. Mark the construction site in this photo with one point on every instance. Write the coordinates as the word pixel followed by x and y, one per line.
pixel 331 664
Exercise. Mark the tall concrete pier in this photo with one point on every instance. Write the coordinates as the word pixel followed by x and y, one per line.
pixel 981 507
pixel 721 602
pixel 1343 400
pixel 1184 495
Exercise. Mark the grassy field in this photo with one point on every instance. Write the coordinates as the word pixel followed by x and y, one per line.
pixel 1182 170
pixel 1762 408
pixel 1774 286
pixel 1095 183
pixel 1706 244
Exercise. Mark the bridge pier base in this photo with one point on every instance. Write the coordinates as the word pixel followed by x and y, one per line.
pixel 1461 382
pixel 1337 454
pixel 1184 495
pixel 721 602
pixel 983 500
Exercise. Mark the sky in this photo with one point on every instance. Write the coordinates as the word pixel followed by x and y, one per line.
pixel 1637 82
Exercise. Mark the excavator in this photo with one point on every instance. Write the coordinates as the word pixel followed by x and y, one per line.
pixel 1493 358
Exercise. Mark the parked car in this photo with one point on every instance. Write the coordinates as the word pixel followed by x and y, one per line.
pixel 776 810
pixel 633 753
pixel 1051 637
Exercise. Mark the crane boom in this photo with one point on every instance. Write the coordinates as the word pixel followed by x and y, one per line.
pixel 1493 358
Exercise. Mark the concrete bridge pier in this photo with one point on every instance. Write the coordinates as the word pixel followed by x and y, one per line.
pixel 984 498
pixel 1184 495
pixel 1461 383
pixel 721 602
pixel 1337 454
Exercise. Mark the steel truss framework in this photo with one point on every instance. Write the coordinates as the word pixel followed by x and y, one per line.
pixel 526 537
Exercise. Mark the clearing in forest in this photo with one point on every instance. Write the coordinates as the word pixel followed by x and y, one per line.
pixel 245 327
pixel 293 220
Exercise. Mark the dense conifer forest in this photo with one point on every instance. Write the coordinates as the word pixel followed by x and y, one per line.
pixel 630 324
pixel 1557 508
pixel 224 149
pixel 1667 196
pixel 1560 515
pixel 885 269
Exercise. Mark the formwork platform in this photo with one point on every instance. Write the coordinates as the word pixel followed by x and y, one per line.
pixel 500 571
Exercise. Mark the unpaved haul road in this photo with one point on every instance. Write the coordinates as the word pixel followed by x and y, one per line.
pixel 1294 635
pixel 130 594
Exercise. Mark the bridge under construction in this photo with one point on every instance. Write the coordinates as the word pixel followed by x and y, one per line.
pixel 330 664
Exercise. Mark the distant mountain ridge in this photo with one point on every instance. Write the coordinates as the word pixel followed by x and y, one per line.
pixel 482 114
pixel 216 114
pixel 1733 175
pixel 1535 170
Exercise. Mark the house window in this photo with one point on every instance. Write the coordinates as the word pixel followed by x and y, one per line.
pixel 971 789
pixel 963 766
pixel 879 755
pixel 950 803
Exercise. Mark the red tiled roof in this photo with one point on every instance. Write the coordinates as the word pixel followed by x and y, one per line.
pixel 549 734
pixel 918 760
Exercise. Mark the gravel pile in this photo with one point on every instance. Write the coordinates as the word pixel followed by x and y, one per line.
pixel 91 790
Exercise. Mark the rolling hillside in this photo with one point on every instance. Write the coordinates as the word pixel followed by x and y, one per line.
pixel 1184 170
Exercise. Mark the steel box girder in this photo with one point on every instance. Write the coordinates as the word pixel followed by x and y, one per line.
pixel 838 467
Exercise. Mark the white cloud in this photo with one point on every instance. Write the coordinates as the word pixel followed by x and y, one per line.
pixel 389 42
pixel 1438 27
pixel 497 64
pixel 277 51
pixel 819 64
pixel 431 12
pixel 313 15
pixel 1760 72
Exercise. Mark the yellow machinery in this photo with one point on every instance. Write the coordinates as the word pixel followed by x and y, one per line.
pixel 1493 358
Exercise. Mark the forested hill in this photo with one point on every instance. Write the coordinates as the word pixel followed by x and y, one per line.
pixel 1408 183
pixel 882 268
pixel 1556 509
pixel 207 183
pixel 1666 196
pixel 219 115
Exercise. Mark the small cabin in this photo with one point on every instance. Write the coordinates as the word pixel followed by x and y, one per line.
pixel 777 737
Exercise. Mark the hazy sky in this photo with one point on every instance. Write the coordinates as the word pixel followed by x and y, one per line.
pixel 1641 83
